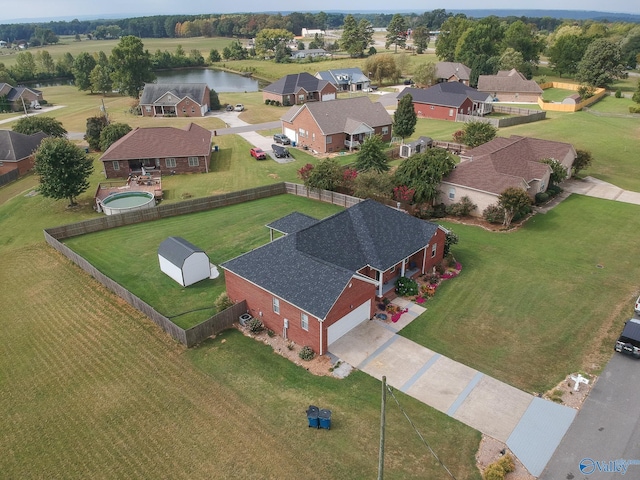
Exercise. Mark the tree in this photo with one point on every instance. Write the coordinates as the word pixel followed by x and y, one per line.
pixel 40 123
pixel 381 66
pixel 511 59
pixel 282 53
pixel 405 118
pixel 371 184
pixel 514 201
pixel 83 64
pixel 424 75
pixel 630 49
pixel 24 67
pixel 479 47
pixel 214 56
pixel 45 66
pixel 214 100
pixel 356 37
pixel 371 156
pixel 131 66
pixel 326 175
pixel 100 78
pixel 64 66
pixel 523 38
pixel 477 133
pixel 566 52
pixel 268 39
pixel 450 238
pixel 583 160
pixel 450 33
pixel 317 42
pixel 235 51
pixel 423 172
pixel 112 133
pixel 397 32
pixel 64 169
pixel 95 125
pixel 558 172
pixel 420 38
pixel 601 63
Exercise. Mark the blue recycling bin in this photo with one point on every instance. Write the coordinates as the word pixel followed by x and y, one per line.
pixel 312 416
pixel 324 419
pixel 215 148
pixel 293 144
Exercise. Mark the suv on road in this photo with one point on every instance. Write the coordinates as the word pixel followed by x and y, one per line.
pixel 281 138
pixel 258 153
pixel 629 340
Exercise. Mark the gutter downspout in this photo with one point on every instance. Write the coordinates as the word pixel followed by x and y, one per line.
pixel 321 321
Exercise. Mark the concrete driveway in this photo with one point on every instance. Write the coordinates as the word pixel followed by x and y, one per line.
pixel 531 427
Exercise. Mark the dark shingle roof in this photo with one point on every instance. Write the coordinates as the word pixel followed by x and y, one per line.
pixel 16 92
pixel 15 146
pixel 311 267
pixel 290 84
pixel 154 91
pixel 177 250
pixel 292 223
pixel 446 94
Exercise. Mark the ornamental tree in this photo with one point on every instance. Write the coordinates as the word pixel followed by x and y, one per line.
pixel 583 160
pixel 513 201
pixel 405 118
pixel 558 172
pixel 478 133
pixel 95 125
pixel 112 133
pixel 64 169
pixel 423 172
pixel 371 156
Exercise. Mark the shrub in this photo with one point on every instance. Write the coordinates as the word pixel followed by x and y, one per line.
pixel 306 353
pixel 463 208
pixel 255 325
pixel 498 469
pixel 406 287
pixel 541 197
pixel 267 102
pixel 277 103
pixel 493 214
pixel 222 302
pixel 271 333
pixel 554 190
pixel 634 109
pixel 618 93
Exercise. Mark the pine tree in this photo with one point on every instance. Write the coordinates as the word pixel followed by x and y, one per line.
pixel 405 118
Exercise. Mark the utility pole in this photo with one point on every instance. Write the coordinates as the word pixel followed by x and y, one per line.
pixel 382 421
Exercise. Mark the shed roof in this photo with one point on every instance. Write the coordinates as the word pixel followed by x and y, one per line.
pixel 176 250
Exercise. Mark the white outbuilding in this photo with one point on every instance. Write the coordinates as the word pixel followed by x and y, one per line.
pixel 183 261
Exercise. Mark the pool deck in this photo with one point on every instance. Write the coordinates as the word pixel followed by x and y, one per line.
pixel 152 185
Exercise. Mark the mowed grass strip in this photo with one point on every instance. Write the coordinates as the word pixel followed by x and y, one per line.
pixel 92 389
pixel 129 255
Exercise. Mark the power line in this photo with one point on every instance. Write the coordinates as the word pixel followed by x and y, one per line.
pixel 419 434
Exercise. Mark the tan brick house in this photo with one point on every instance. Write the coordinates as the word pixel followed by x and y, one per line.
pixel 166 149
pixel 510 86
pixel 323 277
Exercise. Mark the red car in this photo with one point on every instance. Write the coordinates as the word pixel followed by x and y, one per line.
pixel 258 153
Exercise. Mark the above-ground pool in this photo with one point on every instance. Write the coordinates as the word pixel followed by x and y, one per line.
pixel 127 202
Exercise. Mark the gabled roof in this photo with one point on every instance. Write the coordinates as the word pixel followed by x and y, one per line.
pixel 16 92
pixel 507 81
pixel 343 76
pixel 339 116
pixel 161 142
pixel 290 84
pixel 292 223
pixel 15 146
pixel 445 94
pixel 176 250
pixel 153 92
pixel 450 69
pixel 311 267
pixel 506 162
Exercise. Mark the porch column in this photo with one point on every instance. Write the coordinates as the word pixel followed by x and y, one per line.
pixel 404 260
pixel 424 259
pixel 379 274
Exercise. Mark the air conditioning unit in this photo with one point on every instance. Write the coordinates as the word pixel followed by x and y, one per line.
pixel 244 319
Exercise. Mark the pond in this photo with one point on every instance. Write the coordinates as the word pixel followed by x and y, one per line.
pixel 216 79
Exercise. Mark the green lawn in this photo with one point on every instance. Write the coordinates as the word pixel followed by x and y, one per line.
pixel 556 94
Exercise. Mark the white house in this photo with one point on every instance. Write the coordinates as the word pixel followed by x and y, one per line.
pixel 183 261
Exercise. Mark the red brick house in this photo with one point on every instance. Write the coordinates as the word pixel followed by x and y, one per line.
pixel 337 125
pixel 165 149
pixel 444 101
pixel 299 88
pixel 323 277
pixel 175 100
pixel 17 150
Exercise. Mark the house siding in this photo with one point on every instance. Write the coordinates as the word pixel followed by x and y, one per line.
pixel 23 166
pixel 182 166
pixel 481 199
pixel 424 110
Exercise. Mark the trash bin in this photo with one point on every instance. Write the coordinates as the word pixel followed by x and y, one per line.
pixel 293 144
pixel 215 148
pixel 312 416
pixel 324 419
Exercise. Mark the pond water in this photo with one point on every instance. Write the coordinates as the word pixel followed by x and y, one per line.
pixel 217 80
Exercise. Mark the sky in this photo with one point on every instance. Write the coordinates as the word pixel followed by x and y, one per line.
pixel 69 9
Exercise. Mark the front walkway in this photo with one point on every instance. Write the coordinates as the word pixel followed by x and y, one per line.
pixel 592 187
pixel 531 427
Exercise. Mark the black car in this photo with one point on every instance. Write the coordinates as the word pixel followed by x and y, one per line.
pixel 280 151
pixel 281 138
pixel 629 341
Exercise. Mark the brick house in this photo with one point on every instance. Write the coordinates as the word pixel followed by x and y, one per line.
pixel 444 101
pixel 175 99
pixel 299 88
pixel 510 86
pixel 166 149
pixel 452 72
pixel 346 79
pixel 20 97
pixel 17 150
pixel 322 278
pixel 326 127
pixel 488 170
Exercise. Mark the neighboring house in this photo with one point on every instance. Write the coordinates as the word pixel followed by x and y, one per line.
pixel 417 146
pixel 175 100
pixel 312 32
pixel 452 72
pixel 323 277
pixel 346 79
pixel 20 98
pixel 17 150
pixel 183 261
pixel 299 88
pixel 488 170
pixel 444 101
pixel 326 127
pixel 313 52
pixel 510 86
pixel 167 149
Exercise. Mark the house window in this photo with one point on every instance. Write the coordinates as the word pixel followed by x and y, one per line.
pixel 187 102
pixel 148 108
pixel 184 110
pixel 385 130
pixel 542 185
pixel 276 305
pixel 452 193
pixel 301 132
pixel 432 107
pixel 304 321
pixel 434 249
pixel 451 112
pixel 116 165
pixel 329 139
pixel 393 269
pixel 194 161
pixel 193 110
pixel 170 162
pixel 313 137
pixel 301 98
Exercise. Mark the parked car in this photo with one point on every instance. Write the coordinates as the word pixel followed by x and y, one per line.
pixel 637 307
pixel 629 340
pixel 258 153
pixel 281 138
pixel 280 152
pixel 370 89
pixel 408 81
pixel 229 108
pixel 239 107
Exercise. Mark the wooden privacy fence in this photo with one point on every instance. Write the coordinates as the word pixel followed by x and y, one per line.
pixel 326 196
pixel 10 176
pixel 520 116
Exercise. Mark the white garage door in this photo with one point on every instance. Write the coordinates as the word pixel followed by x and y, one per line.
pixel 328 96
pixel 348 322
pixel 291 133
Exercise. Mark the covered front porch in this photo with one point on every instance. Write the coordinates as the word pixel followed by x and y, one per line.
pixel 164 110
pixel 356 133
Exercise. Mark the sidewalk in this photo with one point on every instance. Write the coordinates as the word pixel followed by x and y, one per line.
pixel 592 187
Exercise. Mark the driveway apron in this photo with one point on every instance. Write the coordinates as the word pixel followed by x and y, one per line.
pixel 531 427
